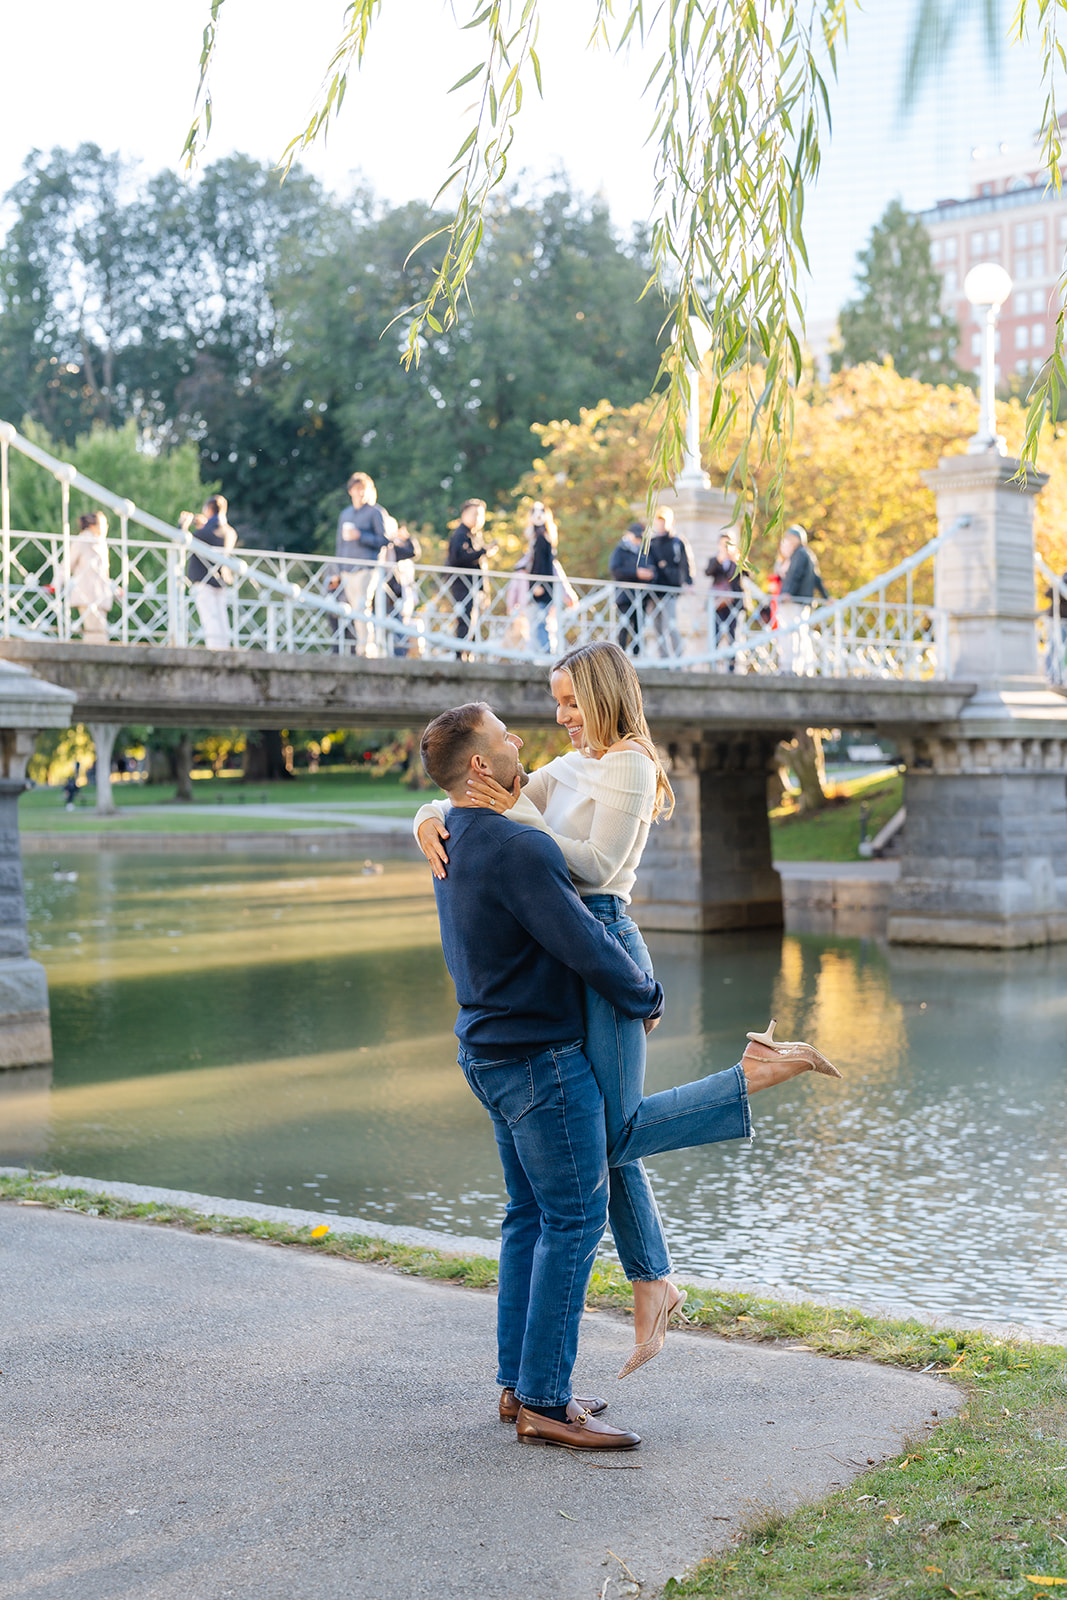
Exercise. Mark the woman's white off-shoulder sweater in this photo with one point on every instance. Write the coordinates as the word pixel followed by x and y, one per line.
pixel 598 812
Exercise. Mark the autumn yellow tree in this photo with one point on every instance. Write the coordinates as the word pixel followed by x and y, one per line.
pixel 860 445
pixel 591 473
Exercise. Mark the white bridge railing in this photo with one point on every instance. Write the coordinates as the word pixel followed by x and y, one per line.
pixel 300 604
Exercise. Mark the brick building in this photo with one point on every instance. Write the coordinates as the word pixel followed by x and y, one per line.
pixel 1014 218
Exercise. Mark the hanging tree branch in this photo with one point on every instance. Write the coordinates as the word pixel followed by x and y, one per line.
pixel 741 104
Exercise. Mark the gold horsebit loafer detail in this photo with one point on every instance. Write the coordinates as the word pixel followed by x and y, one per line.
pixel 509 1405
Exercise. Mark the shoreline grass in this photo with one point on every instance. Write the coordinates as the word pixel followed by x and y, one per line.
pixel 834 834
pixel 978 1508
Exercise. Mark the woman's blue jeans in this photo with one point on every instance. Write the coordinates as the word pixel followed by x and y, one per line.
pixel 548 1117
pixel 615 1046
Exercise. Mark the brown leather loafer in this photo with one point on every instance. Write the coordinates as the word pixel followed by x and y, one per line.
pixel 509 1405
pixel 581 1431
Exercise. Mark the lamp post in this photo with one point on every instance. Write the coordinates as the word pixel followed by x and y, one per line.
pixel 987 285
pixel 692 475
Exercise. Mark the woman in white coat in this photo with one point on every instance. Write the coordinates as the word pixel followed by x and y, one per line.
pixel 90 587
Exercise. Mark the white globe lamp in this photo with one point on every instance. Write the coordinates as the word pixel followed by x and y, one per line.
pixel 987 285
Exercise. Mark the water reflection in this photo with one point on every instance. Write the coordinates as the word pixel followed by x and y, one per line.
pixel 250 1028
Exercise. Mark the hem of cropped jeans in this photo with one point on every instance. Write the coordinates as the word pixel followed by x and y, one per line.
pixel 653 1277
pixel 507 1383
pixel 746 1109
pixel 525 1400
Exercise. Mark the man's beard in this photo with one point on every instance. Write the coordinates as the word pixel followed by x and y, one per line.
pixel 506 780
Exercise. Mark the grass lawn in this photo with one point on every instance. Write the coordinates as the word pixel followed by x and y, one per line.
pixel 44 810
pixel 834 834
pixel 977 1508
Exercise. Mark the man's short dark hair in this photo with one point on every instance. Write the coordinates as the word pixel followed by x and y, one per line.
pixel 217 504
pixel 450 741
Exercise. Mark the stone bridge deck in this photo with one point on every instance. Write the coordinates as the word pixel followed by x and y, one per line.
pixel 203 688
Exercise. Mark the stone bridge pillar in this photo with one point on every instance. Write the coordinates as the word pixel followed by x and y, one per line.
pixel 985 845
pixel 26 704
pixel 710 867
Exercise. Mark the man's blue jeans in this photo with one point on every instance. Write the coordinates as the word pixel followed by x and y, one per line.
pixel 548 1118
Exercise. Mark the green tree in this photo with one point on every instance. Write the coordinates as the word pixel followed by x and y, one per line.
pixel 555 323
pixel 739 104
pixel 163 482
pixel 897 315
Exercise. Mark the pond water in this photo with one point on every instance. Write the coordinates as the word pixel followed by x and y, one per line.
pixel 278 1029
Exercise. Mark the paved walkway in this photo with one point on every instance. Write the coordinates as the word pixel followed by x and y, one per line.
pixel 198 1417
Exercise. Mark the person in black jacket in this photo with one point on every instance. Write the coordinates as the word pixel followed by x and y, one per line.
pixel 467 552
pixel 209 579
pixel 628 567
pixel 800 581
pixel 724 570
pixel 671 561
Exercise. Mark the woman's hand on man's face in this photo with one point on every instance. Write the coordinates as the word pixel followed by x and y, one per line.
pixel 485 791
pixel 430 836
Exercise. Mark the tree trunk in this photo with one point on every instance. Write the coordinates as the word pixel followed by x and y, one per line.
pixel 264 757
pixel 183 767
pixel 160 765
pixel 806 759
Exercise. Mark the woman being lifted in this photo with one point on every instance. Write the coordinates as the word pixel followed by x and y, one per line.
pixel 598 802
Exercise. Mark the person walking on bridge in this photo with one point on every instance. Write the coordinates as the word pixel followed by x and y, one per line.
pixel 671 560
pixel 210 579
pixel 90 587
pixel 468 555
pixel 630 572
pixel 801 579
pixel 362 535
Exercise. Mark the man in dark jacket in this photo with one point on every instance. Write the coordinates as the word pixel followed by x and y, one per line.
pixel 208 579
pixel 628 567
pixel 361 537
pixel 467 552
pixel 800 581
pixel 671 560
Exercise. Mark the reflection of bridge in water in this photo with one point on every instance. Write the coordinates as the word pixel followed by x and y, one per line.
pixel 940 653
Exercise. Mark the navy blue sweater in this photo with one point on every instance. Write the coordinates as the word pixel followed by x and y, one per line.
pixel 518 941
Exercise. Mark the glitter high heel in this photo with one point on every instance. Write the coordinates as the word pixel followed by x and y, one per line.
pixel 651 1347
pixel 795 1050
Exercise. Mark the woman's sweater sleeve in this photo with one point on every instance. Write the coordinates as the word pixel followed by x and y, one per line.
pixel 433 808
pixel 527 808
pixel 611 841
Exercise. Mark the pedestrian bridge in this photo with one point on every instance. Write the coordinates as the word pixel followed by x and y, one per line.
pixel 413 621
pixel 943 653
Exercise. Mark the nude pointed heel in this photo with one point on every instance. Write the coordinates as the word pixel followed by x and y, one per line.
pixel 652 1346
pixel 795 1050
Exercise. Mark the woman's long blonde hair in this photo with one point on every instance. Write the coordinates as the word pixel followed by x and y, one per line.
pixel 608 692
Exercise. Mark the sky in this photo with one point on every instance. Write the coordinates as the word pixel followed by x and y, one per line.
pixel 122 74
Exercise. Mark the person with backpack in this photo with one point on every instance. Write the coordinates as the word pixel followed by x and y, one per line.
pixel 671 561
